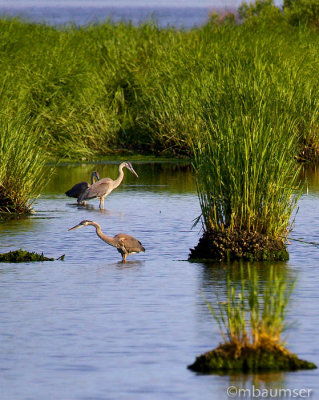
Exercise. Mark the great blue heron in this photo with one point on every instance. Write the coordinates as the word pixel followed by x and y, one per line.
pixel 81 187
pixel 104 187
pixel 125 244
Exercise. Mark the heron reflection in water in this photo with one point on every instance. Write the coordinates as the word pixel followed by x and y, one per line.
pixel 125 244
pixel 105 186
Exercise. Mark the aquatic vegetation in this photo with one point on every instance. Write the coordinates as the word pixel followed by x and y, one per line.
pixel 109 87
pixel 246 174
pixel 251 323
pixel 247 182
pixel 225 358
pixel 234 244
pixel 23 256
pixel 22 173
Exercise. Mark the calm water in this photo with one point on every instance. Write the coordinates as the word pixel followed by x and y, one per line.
pixel 178 13
pixel 91 328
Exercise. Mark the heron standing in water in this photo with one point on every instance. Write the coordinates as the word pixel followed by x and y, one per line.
pixel 104 187
pixel 81 187
pixel 125 244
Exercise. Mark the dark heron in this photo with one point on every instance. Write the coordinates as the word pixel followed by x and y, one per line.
pixel 125 244
pixel 104 187
pixel 81 187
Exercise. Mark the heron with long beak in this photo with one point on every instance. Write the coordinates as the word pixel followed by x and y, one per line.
pixel 105 186
pixel 125 244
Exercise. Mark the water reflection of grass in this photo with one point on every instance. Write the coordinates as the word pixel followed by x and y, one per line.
pixel 249 317
pixel 251 322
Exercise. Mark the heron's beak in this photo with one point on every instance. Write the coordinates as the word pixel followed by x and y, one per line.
pixel 76 227
pixel 132 170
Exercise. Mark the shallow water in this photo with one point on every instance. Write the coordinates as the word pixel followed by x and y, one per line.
pixel 92 328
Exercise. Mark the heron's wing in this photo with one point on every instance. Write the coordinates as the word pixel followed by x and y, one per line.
pixel 130 244
pixel 98 189
pixel 77 189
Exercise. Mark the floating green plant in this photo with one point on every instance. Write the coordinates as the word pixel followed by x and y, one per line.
pixel 23 256
pixel 251 325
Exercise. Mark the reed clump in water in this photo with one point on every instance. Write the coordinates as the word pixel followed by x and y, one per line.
pixel 21 165
pixel 246 174
pixel 232 244
pixel 251 324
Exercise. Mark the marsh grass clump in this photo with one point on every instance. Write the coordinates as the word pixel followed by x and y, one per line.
pixel 22 173
pixel 226 358
pixel 233 244
pixel 23 256
pixel 251 324
pixel 246 174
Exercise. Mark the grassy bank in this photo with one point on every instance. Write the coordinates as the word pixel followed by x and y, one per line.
pixel 104 88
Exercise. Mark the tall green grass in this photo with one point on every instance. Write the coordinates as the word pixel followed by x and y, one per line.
pixel 247 178
pixel 252 123
pixel 103 88
pixel 22 165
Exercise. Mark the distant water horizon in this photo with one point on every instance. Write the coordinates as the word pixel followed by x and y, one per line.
pixel 181 14
pixel 121 3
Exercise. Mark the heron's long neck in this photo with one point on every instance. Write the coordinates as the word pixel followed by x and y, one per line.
pixel 119 179
pixel 107 239
pixel 92 178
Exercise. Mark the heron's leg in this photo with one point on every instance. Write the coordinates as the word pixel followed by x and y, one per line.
pixel 124 257
pixel 102 202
